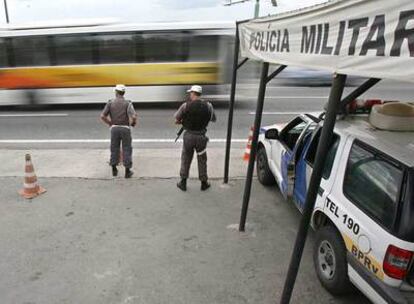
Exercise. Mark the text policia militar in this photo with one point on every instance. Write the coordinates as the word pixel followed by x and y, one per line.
pixel 317 38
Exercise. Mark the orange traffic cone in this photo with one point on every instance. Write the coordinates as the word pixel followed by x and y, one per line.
pixel 249 146
pixel 31 188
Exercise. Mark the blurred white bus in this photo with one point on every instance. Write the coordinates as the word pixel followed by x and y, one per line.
pixel 81 64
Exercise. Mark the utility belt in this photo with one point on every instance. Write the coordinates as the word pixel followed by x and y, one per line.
pixel 196 132
pixel 121 126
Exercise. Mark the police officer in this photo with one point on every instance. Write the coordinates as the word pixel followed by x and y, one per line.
pixel 194 115
pixel 120 115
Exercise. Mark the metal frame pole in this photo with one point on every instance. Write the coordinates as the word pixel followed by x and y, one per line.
pixel 257 9
pixel 242 62
pixel 6 11
pixel 323 147
pixel 359 91
pixel 257 122
pixel 275 73
pixel 231 106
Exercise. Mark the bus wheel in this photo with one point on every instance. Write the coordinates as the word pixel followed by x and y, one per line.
pixel 264 174
pixel 329 258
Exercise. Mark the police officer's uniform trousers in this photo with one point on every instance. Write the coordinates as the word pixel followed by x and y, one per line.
pixel 121 134
pixel 120 110
pixel 194 140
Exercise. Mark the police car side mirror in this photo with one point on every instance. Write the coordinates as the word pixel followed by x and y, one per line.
pixel 272 134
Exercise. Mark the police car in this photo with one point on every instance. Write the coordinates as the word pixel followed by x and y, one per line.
pixel 364 212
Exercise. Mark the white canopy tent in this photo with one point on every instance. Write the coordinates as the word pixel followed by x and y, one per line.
pixel 369 38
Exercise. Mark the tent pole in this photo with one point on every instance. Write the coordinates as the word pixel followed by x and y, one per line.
pixel 242 62
pixel 257 122
pixel 275 73
pixel 231 105
pixel 322 150
pixel 359 91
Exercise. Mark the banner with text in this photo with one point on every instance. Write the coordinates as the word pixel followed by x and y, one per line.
pixel 370 38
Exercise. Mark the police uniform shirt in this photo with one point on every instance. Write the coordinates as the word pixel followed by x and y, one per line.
pixel 120 111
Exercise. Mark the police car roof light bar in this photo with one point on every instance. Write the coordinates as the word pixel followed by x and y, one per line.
pixel 361 106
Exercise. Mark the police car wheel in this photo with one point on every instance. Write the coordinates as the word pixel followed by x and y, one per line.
pixel 264 174
pixel 329 258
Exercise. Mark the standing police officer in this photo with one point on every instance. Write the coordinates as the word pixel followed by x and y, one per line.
pixel 194 115
pixel 122 116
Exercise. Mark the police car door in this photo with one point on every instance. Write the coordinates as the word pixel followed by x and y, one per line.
pixel 305 168
pixel 284 150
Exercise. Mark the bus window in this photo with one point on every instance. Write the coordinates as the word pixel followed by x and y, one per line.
pixel 10 54
pixel 3 53
pixel 204 48
pixel 162 47
pixel 30 51
pixel 52 50
pixel 74 49
pixel 116 48
pixel 139 48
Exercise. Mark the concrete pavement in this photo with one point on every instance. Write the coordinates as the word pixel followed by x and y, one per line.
pixel 154 163
pixel 94 239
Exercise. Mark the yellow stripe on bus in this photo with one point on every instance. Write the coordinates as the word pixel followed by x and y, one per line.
pixel 108 75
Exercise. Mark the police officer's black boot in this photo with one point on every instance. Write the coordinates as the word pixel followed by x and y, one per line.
pixel 114 170
pixel 205 185
pixel 182 184
pixel 128 173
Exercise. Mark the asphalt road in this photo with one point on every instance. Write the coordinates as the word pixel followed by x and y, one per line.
pixel 79 126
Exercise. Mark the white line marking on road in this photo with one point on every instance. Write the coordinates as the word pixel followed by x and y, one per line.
pixel 34 115
pixel 277 113
pixel 99 141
